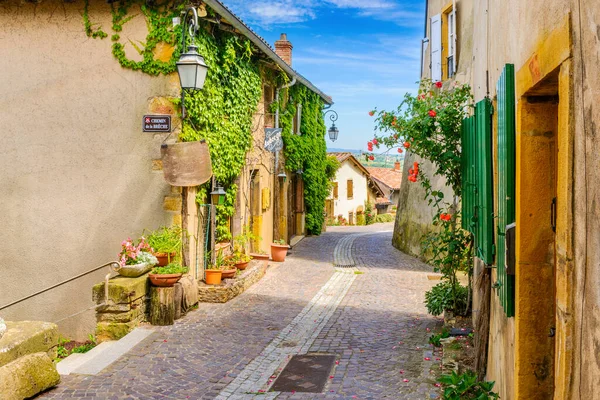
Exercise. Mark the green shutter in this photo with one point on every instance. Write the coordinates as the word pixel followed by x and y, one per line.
pixel 484 209
pixel 506 181
pixel 468 174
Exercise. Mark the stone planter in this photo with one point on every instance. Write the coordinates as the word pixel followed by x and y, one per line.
pixel 228 273
pixel 213 276
pixel 279 251
pixel 164 258
pixel 164 280
pixel 135 270
pixel 260 257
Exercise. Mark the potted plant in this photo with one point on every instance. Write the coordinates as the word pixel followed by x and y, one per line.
pixel 228 269
pixel 214 274
pixel 135 259
pixel 260 255
pixel 168 275
pixel 166 243
pixel 240 260
pixel 240 248
pixel 279 250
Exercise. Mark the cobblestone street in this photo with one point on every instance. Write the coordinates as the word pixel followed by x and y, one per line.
pixel 348 293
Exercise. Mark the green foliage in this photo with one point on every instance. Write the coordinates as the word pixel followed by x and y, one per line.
pixel 166 239
pixel 369 213
pixel 84 348
pixel 430 126
pixel 90 31
pixel 242 241
pixel 436 339
pixel 380 218
pixel 360 219
pixel 172 268
pixel 465 386
pixel 446 296
pixel 308 151
pixel 279 242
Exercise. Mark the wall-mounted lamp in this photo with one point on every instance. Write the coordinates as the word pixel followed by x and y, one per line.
pixel 333 131
pixel 191 67
pixel 282 176
pixel 217 196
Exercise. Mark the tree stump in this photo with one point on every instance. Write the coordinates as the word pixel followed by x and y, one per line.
pixel 162 305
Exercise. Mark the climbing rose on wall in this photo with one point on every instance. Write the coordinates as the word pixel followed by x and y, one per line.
pixel 438 84
pixel 432 113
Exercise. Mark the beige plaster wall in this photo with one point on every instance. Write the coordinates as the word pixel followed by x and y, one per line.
pixel 76 167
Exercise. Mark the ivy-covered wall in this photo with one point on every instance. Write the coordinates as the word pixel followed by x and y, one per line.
pixel 308 151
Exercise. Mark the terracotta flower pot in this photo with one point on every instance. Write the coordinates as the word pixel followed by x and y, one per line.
pixel 164 280
pixel 279 251
pixel 242 265
pixel 228 273
pixel 257 256
pixel 213 276
pixel 164 258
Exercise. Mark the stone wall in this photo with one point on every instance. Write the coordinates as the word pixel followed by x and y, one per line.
pixel 79 175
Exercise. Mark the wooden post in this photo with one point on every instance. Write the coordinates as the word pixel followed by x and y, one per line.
pixel 178 298
pixel 213 232
pixel 162 305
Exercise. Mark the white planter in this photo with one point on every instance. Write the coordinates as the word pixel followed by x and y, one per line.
pixel 2 327
pixel 135 270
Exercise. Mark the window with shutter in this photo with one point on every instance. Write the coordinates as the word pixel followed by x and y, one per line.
pixel 350 189
pixel 335 190
pixel 468 174
pixel 506 182
pixel 436 48
pixel 296 120
pixel 484 207
pixel 451 56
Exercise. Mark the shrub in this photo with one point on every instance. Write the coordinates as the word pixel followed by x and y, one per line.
pixel 466 386
pixel 384 218
pixel 444 297
pixel 369 213
pixel 361 220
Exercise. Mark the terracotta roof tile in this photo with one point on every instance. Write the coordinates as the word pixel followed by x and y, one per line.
pixel 388 176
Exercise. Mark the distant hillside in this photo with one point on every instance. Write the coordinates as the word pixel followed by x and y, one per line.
pixel 381 160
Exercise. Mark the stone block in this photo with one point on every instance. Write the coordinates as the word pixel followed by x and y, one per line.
pixel 114 330
pixel 172 203
pixel 122 307
pixel 121 289
pixel 27 376
pixel 232 288
pixel 28 337
pixel 132 315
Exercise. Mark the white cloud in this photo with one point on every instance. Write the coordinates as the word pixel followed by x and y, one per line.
pixel 280 12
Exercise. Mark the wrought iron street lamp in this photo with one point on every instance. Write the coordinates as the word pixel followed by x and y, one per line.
pixel 191 67
pixel 333 131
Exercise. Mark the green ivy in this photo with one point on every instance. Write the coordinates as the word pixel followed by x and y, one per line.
pixel 308 151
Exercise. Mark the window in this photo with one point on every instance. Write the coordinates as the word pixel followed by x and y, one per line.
pixel 448 38
pixel 436 48
pixel 335 190
pixel 506 184
pixel 477 202
pixel 296 122
pixel 350 189
pixel 268 98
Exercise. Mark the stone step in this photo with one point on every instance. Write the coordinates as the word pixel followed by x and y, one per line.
pixel 108 354
pixel 75 360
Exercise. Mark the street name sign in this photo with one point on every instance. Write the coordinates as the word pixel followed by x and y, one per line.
pixel 156 123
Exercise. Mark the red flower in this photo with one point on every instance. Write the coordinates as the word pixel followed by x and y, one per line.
pixel 400 150
pixel 371 158
pixel 371 113
pixel 393 123
pixel 432 113
pixel 438 84
pixel 375 141
pixel 407 145
pixel 411 171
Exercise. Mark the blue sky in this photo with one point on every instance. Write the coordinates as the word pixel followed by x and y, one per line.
pixel 364 54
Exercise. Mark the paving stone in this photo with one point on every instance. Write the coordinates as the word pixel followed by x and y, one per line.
pixel 377 327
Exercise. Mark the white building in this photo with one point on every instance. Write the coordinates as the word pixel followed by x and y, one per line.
pixel 352 188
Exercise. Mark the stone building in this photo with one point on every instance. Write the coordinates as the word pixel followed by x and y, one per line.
pixel 536 64
pixel 79 175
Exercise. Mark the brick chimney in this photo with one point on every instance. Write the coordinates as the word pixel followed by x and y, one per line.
pixel 283 48
pixel 397 166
